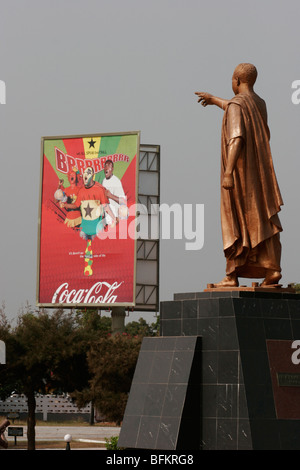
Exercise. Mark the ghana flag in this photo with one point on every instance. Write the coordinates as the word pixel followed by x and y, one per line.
pixel 87 243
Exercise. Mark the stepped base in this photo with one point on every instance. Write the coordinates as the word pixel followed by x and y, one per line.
pixel 238 387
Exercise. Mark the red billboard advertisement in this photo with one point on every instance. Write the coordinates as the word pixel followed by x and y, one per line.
pixel 87 220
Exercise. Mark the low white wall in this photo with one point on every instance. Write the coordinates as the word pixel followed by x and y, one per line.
pixel 44 404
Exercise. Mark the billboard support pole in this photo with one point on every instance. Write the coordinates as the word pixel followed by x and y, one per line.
pixel 118 315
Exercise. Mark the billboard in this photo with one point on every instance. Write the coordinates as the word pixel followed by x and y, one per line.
pixel 87 220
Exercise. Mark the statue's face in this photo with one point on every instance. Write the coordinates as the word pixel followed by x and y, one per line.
pixel 88 177
pixel 235 88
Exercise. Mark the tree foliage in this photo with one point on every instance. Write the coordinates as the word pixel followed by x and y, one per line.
pixel 70 352
pixel 43 352
pixel 111 362
pixel 142 328
pixel 296 287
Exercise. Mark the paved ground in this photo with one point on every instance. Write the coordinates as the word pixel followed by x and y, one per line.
pixel 57 433
pixel 77 432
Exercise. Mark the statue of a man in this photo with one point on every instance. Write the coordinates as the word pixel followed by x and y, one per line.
pixel 250 196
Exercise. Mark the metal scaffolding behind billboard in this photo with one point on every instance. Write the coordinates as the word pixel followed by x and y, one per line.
pixel 147 260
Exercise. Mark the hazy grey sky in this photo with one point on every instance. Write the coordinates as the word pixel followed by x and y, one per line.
pixel 96 66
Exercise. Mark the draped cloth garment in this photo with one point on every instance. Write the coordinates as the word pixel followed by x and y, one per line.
pixel 249 211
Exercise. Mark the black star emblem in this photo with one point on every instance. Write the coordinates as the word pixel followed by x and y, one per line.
pixel 88 210
pixel 92 143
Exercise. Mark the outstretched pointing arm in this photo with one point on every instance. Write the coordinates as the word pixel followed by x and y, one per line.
pixel 207 98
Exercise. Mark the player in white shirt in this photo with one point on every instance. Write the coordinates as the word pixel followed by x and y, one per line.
pixel 115 191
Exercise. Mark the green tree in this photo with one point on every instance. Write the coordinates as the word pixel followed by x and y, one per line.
pixel 112 362
pixel 72 352
pixel 142 328
pixel 94 323
pixel 297 288
pixel 43 352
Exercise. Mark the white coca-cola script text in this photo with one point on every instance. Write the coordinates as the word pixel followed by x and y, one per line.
pixel 100 292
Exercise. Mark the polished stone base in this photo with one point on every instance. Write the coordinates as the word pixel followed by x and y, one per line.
pixel 163 411
pixel 250 385
pixel 224 375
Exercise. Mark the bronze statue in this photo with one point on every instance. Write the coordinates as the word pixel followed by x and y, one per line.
pixel 250 196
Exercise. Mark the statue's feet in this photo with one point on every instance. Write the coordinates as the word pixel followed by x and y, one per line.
pixel 272 278
pixel 229 281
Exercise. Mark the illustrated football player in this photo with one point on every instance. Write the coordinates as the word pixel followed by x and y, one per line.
pixel 92 202
pixel 114 192
pixel 69 195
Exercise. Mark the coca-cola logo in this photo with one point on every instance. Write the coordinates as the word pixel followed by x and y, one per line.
pixel 100 292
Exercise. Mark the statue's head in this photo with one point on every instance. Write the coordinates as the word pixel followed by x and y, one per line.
pixel 243 73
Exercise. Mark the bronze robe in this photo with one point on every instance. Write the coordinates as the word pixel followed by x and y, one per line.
pixel 249 212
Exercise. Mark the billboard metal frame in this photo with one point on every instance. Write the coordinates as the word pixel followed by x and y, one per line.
pixel 147 294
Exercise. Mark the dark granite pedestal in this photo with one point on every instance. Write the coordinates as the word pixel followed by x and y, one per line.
pixel 250 386
pixel 163 411
pixel 241 393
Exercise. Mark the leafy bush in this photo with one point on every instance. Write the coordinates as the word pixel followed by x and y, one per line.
pixel 112 443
